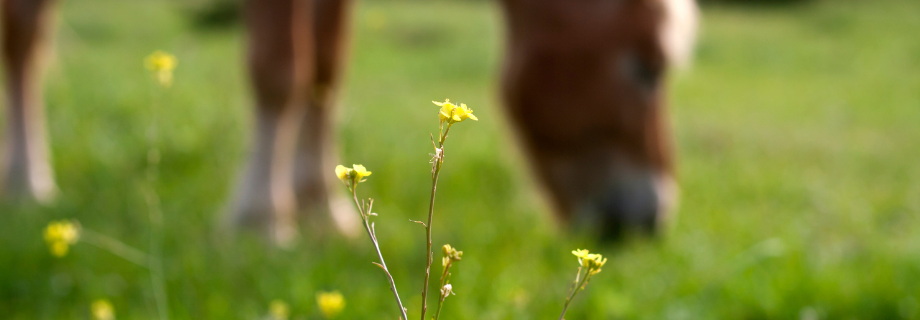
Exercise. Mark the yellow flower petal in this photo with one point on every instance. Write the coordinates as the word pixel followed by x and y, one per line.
pixel 468 112
pixel 341 172
pixel 360 172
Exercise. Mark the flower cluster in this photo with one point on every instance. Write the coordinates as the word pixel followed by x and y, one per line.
pixel 589 264
pixel 451 254
pixel 330 303
pixel 162 65
pixel 590 261
pixel 351 176
pixel 449 113
pixel 452 113
pixel 60 235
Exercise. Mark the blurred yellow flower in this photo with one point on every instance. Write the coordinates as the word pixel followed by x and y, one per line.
pixel 451 252
pixel 353 175
pixel 330 303
pixel 279 310
pixel 591 261
pixel 360 172
pixel 60 235
pixel 59 248
pixel 463 113
pixel 102 310
pixel 447 109
pixel 452 113
pixel 341 172
pixel 161 64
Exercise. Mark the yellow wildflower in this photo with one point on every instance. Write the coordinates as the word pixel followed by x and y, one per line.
pixel 594 262
pixel 60 235
pixel 591 261
pixel 580 253
pixel 102 310
pixel 341 172
pixel 452 113
pixel 447 109
pixel 452 252
pixel 463 113
pixel 353 175
pixel 330 303
pixel 162 65
pixel 279 310
pixel 360 172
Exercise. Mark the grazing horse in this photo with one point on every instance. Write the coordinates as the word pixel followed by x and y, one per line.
pixel 583 84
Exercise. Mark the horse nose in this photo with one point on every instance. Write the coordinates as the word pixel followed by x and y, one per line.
pixel 631 204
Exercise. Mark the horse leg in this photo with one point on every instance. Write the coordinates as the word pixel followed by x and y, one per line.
pixel 280 62
pixel 315 185
pixel 25 165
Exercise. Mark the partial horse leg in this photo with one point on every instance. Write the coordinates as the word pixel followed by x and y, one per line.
pixel 314 182
pixel 280 62
pixel 25 166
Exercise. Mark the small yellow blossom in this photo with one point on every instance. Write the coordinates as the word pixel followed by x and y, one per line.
pixel 330 303
pixel 353 175
pixel 360 172
pixel 279 310
pixel 591 261
pixel 60 235
pixel 102 310
pixel 451 252
pixel 452 113
pixel 341 172
pixel 162 65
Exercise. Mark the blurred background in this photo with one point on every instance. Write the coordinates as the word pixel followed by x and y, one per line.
pixel 797 129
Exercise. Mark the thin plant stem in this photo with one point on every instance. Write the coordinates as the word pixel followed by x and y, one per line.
pixel 154 212
pixel 115 247
pixel 372 234
pixel 578 285
pixel 437 313
pixel 444 276
pixel 436 172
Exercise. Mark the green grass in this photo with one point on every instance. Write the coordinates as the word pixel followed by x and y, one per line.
pixel 797 129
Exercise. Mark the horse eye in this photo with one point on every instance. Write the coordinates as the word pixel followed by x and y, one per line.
pixel 639 71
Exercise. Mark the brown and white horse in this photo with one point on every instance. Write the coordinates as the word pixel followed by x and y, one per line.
pixel 583 84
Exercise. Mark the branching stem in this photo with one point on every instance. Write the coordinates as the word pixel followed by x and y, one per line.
pixel 435 173
pixel 365 213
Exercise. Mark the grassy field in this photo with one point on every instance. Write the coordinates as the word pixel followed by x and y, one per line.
pixel 797 128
